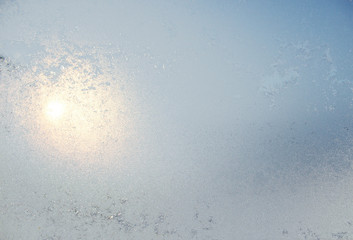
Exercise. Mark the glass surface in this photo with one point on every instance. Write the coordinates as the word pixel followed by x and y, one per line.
pixel 179 119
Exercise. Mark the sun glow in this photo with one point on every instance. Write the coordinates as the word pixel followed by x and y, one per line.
pixel 81 112
pixel 55 110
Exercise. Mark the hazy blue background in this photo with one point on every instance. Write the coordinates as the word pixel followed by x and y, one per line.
pixel 238 120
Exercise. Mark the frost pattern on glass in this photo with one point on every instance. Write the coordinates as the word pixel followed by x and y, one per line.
pixel 176 119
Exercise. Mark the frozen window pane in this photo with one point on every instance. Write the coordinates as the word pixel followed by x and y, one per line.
pixel 176 119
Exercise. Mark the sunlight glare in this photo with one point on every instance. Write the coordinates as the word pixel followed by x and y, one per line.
pixel 55 110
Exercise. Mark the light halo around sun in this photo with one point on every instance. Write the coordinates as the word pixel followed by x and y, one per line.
pixel 81 112
pixel 55 110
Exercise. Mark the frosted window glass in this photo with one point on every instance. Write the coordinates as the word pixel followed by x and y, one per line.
pixel 171 119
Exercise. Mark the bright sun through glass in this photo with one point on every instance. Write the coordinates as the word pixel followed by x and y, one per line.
pixel 55 110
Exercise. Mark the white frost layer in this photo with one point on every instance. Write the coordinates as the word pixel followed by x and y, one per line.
pixel 182 120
